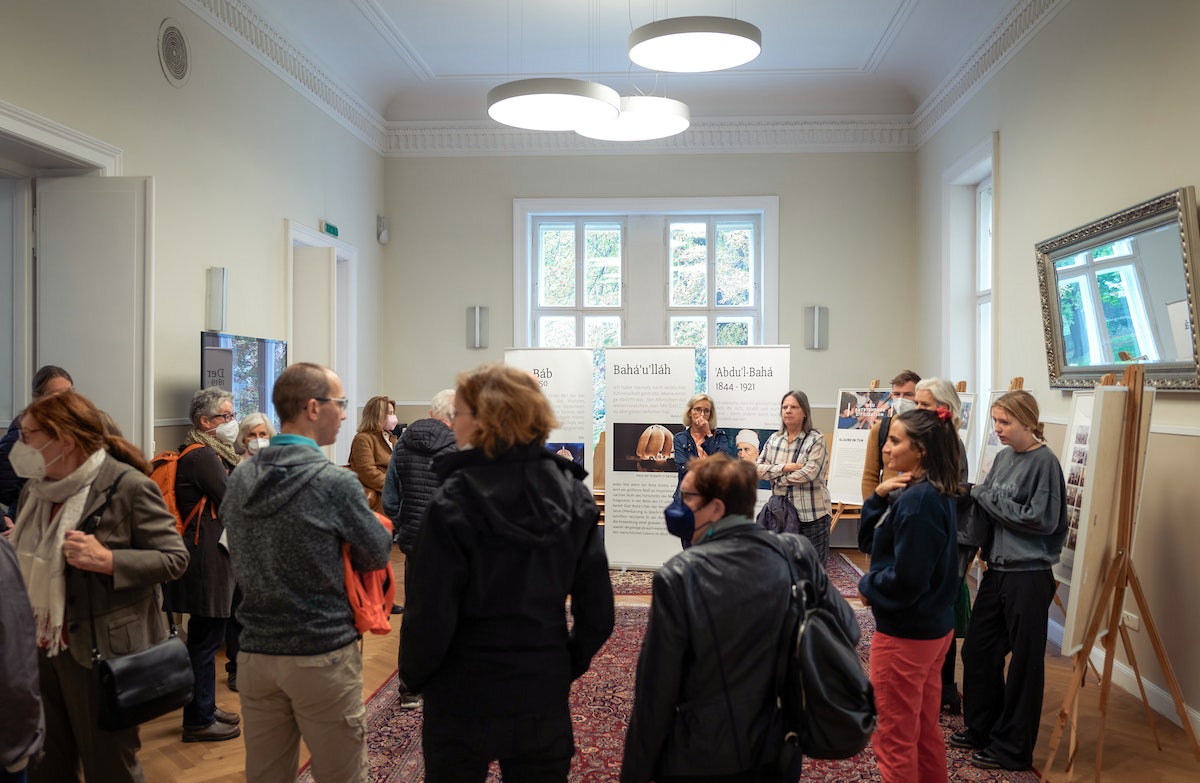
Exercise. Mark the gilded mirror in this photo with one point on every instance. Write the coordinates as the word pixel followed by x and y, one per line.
pixel 1122 289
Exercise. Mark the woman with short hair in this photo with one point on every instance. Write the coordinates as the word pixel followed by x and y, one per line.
pixel 510 534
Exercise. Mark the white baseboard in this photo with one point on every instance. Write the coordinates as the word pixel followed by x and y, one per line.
pixel 1124 678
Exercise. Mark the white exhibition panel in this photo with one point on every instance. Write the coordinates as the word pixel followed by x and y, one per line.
pixel 646 391
pixel 858 411
pixel 566 378
pixel 747 384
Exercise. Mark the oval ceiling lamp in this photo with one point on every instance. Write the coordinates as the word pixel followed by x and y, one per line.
pixel 694 44
pixel 643 117
pixel 552 104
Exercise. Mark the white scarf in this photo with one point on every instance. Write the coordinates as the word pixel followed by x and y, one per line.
pixel 38 538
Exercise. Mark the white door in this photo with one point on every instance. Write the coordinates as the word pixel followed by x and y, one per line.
pixel 93 292
pixel 314 316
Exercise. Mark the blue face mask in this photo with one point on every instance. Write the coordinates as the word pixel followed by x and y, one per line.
pixel 681 521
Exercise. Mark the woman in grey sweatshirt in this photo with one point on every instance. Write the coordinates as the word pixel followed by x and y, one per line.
pixel 1024 497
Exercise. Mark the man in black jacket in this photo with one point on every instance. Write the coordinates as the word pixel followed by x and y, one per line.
pixel 705 698
pixel 410 484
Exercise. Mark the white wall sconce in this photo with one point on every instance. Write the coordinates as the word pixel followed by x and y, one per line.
pixel 214 299
pixel 816 328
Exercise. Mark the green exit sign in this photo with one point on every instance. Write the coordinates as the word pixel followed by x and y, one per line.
pixel 329 228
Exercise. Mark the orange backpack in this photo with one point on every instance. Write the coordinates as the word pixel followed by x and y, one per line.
pixel 163 469
pixel 371 593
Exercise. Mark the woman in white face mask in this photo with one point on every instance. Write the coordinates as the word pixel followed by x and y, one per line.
pixel 255 433
pixel 205 592
pixel 371 449
pixel 93 539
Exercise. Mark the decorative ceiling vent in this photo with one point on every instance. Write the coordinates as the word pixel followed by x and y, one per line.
pixel 173 53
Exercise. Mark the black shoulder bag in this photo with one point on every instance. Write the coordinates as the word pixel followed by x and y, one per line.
pixel 141 686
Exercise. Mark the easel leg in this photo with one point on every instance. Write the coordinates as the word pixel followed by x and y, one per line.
pixel 1141 686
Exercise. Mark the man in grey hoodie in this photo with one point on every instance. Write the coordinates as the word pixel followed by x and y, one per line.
pixel 288 512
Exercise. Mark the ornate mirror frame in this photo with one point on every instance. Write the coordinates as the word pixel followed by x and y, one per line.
pixel 1179 372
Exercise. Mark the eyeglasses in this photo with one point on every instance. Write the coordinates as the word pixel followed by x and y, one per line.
pixel 222 417
pixel 705 411
pixel 341 402
pixel 683 493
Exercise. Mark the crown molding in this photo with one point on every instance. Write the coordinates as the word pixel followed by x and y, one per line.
pixel 1000 46
pixel 481 139
pixel 249 31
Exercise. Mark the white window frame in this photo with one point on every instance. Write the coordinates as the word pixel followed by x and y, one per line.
pixel 711 312
pixel 645 296
pixel 985 228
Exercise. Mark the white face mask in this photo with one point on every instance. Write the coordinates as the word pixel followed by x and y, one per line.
pixel 902 405
pixel 28 462
pixel 227 432
pixel 254 445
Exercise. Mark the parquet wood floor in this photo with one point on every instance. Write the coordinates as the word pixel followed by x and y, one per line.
pixel 1129 752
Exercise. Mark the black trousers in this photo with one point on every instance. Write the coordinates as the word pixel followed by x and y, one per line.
pixel 1010 616
pixel 530 748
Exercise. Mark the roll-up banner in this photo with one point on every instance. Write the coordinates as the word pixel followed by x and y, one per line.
pixel 566 378
pixel 747 384
pixel 646 390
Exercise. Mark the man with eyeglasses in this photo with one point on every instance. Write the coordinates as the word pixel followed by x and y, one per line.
pixel 288 512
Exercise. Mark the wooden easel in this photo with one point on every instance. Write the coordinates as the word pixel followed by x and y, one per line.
pixel 1121 575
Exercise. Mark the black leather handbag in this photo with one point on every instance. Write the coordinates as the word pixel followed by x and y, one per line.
pixel 140 686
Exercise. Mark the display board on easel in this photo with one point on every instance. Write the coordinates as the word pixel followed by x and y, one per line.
pixel 1108 602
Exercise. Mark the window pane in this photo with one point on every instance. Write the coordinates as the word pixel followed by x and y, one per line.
pixel 983 237
pixel 689 264
pixel 601 331
pixel 556 265
pixel 1081 336
pixel 556 331
pixel 689 331
pixel 735 331
pixel 735 283
pixel 983 332
pixel 602 265
pixel 1120 304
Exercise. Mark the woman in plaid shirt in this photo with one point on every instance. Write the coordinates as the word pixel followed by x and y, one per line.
pixel 793 461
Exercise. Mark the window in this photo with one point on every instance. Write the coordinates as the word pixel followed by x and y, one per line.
pixel 601 272
pixel 983 290
pixel 1101 298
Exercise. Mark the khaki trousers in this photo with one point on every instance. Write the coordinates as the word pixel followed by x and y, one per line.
pixel 314 697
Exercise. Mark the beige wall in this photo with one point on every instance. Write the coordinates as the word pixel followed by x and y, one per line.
pixel 1095 114
pixel 846 238
pixel 233 154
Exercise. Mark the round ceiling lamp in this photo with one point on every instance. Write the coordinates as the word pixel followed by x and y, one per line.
pixel 552 104
pixel 642 117
pixel 694 44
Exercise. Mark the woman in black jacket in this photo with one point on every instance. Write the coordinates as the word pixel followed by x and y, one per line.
pixel 511 533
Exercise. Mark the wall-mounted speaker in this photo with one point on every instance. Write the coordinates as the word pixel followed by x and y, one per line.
pixel 477 327
pixel 816 328
pixel 214 300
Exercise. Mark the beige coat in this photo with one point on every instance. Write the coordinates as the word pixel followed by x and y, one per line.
pixel 369 458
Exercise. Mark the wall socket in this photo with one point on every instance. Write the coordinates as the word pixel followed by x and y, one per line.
pixel 1131 621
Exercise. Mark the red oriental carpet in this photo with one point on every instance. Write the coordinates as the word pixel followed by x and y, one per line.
pixel 600 704
pixel 841 571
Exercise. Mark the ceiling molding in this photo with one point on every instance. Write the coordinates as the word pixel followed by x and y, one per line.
pixel 389 32
pixel 903 11
pixel 1001 45
pixel 242 25
pixel 829 134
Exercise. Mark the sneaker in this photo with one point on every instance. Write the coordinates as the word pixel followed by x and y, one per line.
pixel 410 701
pixel 963 738
pixel 213 732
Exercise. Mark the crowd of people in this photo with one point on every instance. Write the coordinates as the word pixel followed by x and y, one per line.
pixel 507 589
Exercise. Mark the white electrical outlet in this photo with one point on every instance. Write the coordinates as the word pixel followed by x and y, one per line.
pixel 1131 621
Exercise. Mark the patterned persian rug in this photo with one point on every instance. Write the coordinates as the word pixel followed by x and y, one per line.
pixel 843 573
pixel 600 704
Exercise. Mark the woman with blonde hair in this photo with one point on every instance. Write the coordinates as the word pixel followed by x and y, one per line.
pixel 510 534
pixel 93 538
pixel 701 438
pixel 371 449
pixel 1024 499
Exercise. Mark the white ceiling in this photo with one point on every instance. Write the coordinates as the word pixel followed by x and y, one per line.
pixel 435 60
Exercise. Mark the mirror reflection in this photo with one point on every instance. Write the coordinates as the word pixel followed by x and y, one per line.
pixel 1116 291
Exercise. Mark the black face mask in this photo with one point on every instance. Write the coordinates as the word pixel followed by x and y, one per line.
pixel 681 520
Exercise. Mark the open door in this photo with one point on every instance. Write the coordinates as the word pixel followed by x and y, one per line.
pixel 93 292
